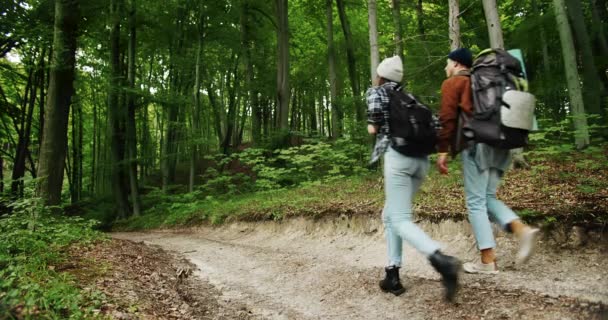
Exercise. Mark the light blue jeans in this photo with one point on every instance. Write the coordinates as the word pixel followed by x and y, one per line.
pixel 402 179
pixel 480 190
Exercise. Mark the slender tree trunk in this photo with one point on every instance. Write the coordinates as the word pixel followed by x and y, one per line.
pixel 598 10
pixel 331 56
pixel 217 119
pixel 94 151
pixel 373 39
pixel 283 65
pixel 313 114
pixel 577 106
pixel 131 125
pixel 74 171
pixel 543 39
pixel 420 17
pixel 352 62
pixel 196 111
pixel 493 20
pixel 294 109
pixel 42 103
pixel 454 24
pixel 24 131
pixel 591 82
pixel 61 88
pixel 232 105
pixel 398 35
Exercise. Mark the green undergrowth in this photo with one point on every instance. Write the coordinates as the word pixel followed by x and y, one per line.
pixel 34 246
pixel 315 199
pixel 566 187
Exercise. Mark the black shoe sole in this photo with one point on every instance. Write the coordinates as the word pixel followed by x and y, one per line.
pixel 397 292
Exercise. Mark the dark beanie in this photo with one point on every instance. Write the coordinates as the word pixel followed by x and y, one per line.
pixel 462 56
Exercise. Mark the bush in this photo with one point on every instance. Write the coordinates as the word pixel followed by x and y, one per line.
pixel 314 161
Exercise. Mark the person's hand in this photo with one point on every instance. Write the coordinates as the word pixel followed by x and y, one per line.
pixel 372 129
pixel 442 163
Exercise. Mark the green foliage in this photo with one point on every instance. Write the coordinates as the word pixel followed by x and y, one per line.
pixel 555 139
pixel 309 162
pixel 310 199
pixel 33 242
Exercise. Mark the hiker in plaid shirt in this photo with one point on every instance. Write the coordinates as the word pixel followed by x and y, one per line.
pixel 403 176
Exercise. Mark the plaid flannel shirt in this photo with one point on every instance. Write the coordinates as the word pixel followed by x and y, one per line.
pixel 378 99
pixel 377 105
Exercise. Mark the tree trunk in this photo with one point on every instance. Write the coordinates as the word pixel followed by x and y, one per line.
pixel 61 88
pixel 352 62
pixel 294 110
pixel 591 82
pixel 131 125
pixel 283 65
pixel 196 111
pixel 398 36
pixel 313 114
pixel 577 106
pixel 543 39
pixel 420 17
pixel 215 110
pixel 94 151
pixel 493 20
pixel 232 105
pixel 116 116
pixel 24 132
pixel 331 56
pixel 454 24
pixel 75 165
pixel 598 15
pixel 373 40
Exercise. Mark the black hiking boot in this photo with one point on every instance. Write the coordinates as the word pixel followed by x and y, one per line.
pixel 449 268
pixel 391 283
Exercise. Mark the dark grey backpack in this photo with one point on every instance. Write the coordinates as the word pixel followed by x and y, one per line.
pixel 503 110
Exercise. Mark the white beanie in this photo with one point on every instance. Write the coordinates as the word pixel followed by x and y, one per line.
pixel 391 69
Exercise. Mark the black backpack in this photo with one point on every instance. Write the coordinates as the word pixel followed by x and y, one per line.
pixel 503 110
pixel 412 125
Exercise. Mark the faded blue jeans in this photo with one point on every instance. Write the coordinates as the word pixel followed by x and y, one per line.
pixel 480 190
pixel 402 179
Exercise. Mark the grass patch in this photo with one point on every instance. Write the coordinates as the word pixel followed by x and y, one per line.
pixel 34 250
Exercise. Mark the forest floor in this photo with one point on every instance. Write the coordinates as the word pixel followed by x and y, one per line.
pixel 302 268
pixel 318 251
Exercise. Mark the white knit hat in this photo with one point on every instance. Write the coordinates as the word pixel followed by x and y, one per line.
pixel 391 69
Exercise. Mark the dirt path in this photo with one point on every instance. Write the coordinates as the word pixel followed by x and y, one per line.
pixel 329 270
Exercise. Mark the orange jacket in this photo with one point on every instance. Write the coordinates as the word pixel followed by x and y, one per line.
pixel 455 94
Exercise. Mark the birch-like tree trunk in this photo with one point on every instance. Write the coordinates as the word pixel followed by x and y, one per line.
pixel 493 20
pixel 454 24
pixel 373 39
pixel 336 118
pixel 398 35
